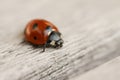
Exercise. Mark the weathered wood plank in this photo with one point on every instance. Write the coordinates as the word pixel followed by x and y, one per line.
pixel 91 32
pixel 107 71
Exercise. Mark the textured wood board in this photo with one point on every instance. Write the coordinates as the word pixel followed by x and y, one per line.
pixel 107 71
pixel 91 31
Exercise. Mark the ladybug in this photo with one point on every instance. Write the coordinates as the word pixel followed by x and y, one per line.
pixel 43 32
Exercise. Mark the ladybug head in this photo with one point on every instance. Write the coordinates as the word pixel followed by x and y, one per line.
pixel 55 39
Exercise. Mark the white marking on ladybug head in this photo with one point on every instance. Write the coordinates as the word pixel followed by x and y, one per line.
pixel 52 43
pixel 47 32
pixel 53 30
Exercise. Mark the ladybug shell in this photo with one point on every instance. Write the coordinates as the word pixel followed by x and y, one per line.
pixel 36 33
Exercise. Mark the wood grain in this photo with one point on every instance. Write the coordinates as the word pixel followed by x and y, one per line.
pixel 91 31
pixel 103 72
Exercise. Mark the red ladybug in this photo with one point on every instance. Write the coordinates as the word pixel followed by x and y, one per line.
pixel 42 32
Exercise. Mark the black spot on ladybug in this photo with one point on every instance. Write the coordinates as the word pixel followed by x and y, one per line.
pixel 35 26
pixel 48 28
pixel 35 38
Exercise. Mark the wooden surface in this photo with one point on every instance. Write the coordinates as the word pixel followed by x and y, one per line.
pixel 107 71
pixel 91 31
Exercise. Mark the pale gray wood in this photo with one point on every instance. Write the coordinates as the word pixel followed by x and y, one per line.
pixel 90 28
pixel 107 71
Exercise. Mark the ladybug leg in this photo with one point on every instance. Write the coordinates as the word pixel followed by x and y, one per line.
pixel 44 46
